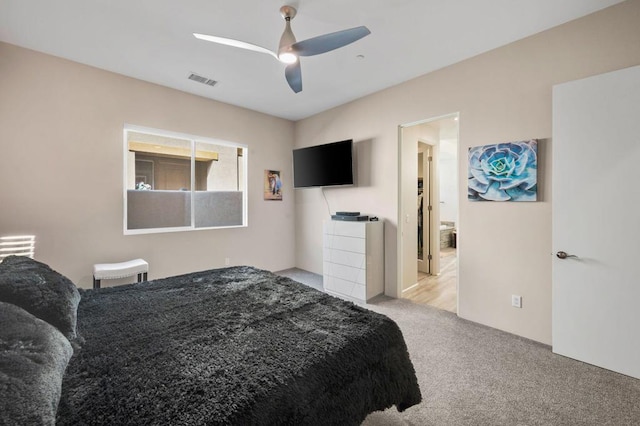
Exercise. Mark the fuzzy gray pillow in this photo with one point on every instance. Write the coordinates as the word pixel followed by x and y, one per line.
pixel 41 291
pixel 33 357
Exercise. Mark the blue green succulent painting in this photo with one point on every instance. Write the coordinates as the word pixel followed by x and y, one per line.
pixel 504 172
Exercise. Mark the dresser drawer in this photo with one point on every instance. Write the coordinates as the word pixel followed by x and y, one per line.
pixel 345 228
pixel 345 288
pixel 344 272
pixel 357 245
pixel 348 258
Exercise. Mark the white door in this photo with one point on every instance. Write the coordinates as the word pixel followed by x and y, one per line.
pixel 596 217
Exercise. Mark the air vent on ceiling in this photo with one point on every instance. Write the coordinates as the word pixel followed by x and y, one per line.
pixel 203 80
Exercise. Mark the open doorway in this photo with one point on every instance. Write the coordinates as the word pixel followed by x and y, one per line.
pixel 428 212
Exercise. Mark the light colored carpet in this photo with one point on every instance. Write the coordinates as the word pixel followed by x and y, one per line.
pixel 470 374
pixel 304 277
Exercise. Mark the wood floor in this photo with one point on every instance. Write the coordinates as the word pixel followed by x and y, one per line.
pixel 439 291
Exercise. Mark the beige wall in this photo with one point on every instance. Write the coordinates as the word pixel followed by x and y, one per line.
pixel 61 168
pixel 502 95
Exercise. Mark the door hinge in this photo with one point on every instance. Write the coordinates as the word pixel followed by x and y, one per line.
pixel 430 158
pixel 429 257
pixel 429 208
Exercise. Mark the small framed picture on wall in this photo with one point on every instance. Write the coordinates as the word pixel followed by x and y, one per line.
pixel 272 185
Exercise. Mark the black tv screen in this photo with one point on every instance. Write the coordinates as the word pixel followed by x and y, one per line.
pixel 323 165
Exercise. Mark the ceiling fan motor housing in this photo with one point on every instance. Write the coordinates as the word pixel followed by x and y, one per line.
pixel 288 12
pixel 287 39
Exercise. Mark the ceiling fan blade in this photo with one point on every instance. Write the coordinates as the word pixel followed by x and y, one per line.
pixel 328 42
pixel 293 73
pixel 235 43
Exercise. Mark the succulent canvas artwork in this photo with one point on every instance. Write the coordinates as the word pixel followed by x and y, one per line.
pixel 504 172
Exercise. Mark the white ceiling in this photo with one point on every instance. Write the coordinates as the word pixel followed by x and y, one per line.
pixel 152 40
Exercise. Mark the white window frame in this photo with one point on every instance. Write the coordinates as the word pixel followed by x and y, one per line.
pixel 193 140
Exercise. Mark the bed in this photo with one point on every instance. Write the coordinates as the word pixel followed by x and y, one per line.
pixel 232 346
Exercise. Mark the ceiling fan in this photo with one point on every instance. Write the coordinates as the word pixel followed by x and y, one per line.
pixel 290 51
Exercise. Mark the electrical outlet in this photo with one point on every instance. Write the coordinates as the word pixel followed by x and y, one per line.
pixel 516 301
pixel 227 262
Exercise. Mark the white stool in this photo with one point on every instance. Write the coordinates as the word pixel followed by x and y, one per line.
pixel 110 271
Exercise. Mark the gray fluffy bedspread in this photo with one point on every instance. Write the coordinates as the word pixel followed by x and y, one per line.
pixel 234 346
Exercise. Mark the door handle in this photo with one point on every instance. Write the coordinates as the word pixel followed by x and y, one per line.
pixel 564 255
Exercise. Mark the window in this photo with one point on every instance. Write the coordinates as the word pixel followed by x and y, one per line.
pixel 177 182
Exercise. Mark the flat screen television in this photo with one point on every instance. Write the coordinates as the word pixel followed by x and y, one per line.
pixel 330 164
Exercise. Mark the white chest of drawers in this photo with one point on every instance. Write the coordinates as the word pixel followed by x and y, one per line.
pixel 353 259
